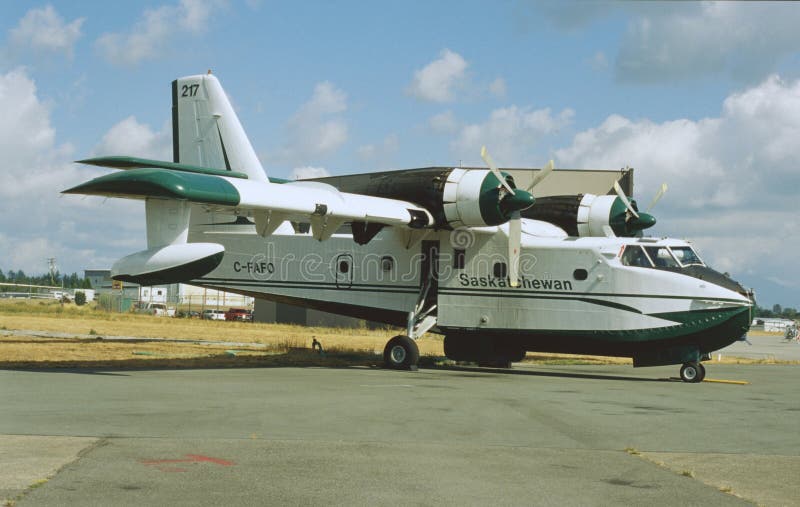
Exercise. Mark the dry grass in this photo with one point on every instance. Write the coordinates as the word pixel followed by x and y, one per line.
pixel 277 343
pixel 764 333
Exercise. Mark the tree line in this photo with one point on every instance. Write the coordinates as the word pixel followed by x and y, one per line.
pixel 72 281
pixel 777 312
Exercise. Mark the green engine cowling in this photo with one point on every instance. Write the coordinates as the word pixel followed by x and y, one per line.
pixel 476 198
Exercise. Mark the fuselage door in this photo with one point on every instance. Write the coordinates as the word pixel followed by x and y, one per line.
pixel 343 266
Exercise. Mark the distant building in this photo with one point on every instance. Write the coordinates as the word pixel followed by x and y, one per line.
pixel 200 296
pixel 127 294
pixel 772 324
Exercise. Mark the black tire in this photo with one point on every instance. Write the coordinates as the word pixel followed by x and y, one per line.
pixel 401 353
pixel 691 372
pixel 702 372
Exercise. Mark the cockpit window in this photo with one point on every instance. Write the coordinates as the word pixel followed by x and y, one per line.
pixel 686 256
pixel 661 257
pixel 635 256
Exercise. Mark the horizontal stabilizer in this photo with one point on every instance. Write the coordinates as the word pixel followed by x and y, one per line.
pixel 161 183
pixel 122 162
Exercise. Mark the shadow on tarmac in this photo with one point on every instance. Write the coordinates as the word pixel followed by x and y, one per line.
pixel 121 367
pixel 556 374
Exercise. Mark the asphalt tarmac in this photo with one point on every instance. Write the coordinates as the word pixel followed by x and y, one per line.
pixel 571 435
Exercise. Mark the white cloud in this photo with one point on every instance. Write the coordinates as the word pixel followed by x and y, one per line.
pixel 498 88
pixel 443 123
pixel 317 129
pixel 43 30
pixel 129 137
pixel 306 172
pixel 35 223
pixel 510 133
pixel 151 34
pixel 437 81
pixel 687 39
pixel 733 178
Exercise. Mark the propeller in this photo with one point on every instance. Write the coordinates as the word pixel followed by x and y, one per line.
pixel 492 167
pixel 636 222
pixel 544 173
pixel 625 200
pixel 514 247
pixel 659 195
pixel 515 201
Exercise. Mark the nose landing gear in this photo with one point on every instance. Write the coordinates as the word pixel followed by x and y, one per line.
pixel 693 372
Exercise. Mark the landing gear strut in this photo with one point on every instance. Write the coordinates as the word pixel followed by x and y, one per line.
pixel 401 352
pixel 693 372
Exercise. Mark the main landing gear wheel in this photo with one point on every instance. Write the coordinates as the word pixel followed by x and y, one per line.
pixel 693 372
pixel 401 353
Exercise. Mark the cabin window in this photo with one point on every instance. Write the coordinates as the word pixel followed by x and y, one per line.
pixel 387 263
pixel 661 257
pixel 344 266
pixel 580 274
pixel 686 256
pixel 635 256
pixel 459 258
pixel 500 270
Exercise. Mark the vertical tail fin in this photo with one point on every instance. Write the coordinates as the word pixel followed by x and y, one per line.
pixel 206 130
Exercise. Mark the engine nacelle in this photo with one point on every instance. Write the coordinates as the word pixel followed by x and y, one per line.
pixel 589 215
pixel 454 197
pixel 472 198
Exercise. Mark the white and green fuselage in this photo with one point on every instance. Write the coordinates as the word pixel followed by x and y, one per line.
pixel 575 294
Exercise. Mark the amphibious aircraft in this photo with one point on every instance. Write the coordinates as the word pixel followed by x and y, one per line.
pixel 457 251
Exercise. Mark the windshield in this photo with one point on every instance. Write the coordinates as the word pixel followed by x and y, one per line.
pixel 686 256
pixel 661 257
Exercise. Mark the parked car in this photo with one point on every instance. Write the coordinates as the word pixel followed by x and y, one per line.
pixel 240 314
pixel 157 309
pixel 213 314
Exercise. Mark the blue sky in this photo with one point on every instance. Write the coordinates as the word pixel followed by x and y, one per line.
pixel 704 96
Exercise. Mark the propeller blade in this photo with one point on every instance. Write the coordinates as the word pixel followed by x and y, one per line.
pixel 492 167
pixel 624 199
pixel 659 194
pixel 544 173
pixel 514 246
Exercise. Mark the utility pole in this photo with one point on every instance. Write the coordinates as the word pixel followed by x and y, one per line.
pixel 51 262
